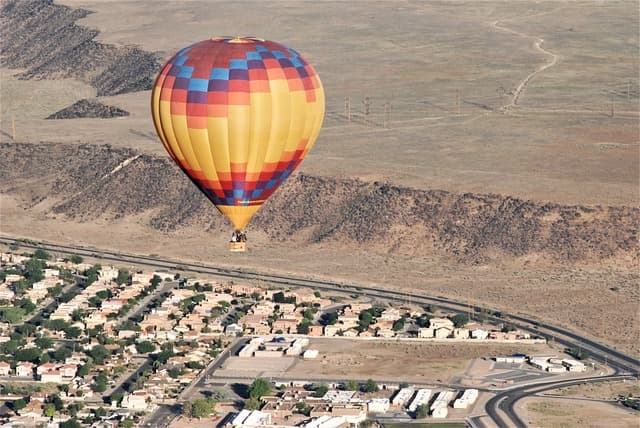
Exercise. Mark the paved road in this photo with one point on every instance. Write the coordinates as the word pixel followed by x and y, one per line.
pixel 506 400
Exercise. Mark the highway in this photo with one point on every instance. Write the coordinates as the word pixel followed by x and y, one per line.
pixel 621 363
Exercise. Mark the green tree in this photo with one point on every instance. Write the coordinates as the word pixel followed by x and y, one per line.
pixel 398 325
pixel 252 404
pixel 11 315
pixel 99 353
pixel 459 320
pixel 128 423
pixel 44 343
pixel 84 370
pixel 100 412
pixel 75 259
pixel 34 270
pixel 370 386
pixel 123 277
pixel 49 410
pixel 320 390
pixel 145 347
pixel 26 304
pixel 422 411
pixel 62 353
pixel 18 404
pixel 352 385
pixel 41 254
pixel 199 408
pixel 28 354
pixel 70 423
pixel 72 332
pixel 259 388
pixel 55 291
pixel 303 327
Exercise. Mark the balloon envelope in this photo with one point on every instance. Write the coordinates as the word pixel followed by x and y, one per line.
pixel 238 115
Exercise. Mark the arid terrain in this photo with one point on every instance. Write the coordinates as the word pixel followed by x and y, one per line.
pixel 505 173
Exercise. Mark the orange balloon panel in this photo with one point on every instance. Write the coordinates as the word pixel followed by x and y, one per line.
pixel 238 115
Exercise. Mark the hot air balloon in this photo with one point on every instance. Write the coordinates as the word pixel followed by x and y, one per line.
pixel 237 115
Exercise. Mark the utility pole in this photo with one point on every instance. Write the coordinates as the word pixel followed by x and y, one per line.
pixel 347 108
pixel 366 108
pixel 458 101
pixel 628 89
pixel 13 126
pixel 613 107
pixel 387 115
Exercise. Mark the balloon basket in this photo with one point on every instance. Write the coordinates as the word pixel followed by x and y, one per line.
pixel 237 247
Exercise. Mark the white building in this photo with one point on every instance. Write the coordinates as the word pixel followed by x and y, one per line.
pixel 254 418
pixel 442 400
pixel 378 405
pixel 468 398
pixel 403 396
pixel 422 397
pixel 573 365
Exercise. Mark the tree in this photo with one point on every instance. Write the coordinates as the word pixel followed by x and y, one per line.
pixel 84 370
pixel 252 404
pixel 303 327
pixel 398 325
pixel 370 386
pixel 100 412
pixel 62 353
pixel 28 354
pixel 127 423
pixel 55 291
pixel 116 396
pixel 70 423
pixel 11 315
pixel 34 271
pixel 459 320
pixel 18 404
pixel 199 408
pixel 50 410
pixel 259 388
pixel 73 332
pixel 26 304
pixel 422 411
pixel 145 347
pixel 41 254
pixel 75 259
pixel 321 390
pixel 123 277
pixel 99 353
pixel 317 294
pixel 352 385
pixel 44 343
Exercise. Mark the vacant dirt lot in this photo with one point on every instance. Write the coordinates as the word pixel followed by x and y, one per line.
pixel 429 362
pixel 568 413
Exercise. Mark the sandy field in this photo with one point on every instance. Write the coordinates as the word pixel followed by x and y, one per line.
pixel 428 362
pixel 568 413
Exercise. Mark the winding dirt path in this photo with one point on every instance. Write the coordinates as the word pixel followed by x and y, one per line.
pixel 553 60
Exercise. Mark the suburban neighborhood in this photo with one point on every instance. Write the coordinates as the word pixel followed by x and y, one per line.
pixel 86 344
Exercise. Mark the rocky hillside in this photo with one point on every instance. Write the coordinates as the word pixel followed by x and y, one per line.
pixel 88 182
pixel 42 39
pixel 88 108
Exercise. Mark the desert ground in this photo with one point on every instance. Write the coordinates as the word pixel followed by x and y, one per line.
pixel 429 362
pixel 568 413
pixel 537 101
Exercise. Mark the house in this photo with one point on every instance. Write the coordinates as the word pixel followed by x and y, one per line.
pixel 54 376
pixel 68 370
pixel 460 333
pixel 442 332
pixel 285 325
pixel 6 293
pixel 332 330
pixel 136 401
pixel 25 369
pixel 352 332
pixel 315 330
pixel 425 333
pixel 479 333
pixel 390 314
pixel 43 368
pixel 233 330
pixel 378 405
pixel 436 323
pixel 5 368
